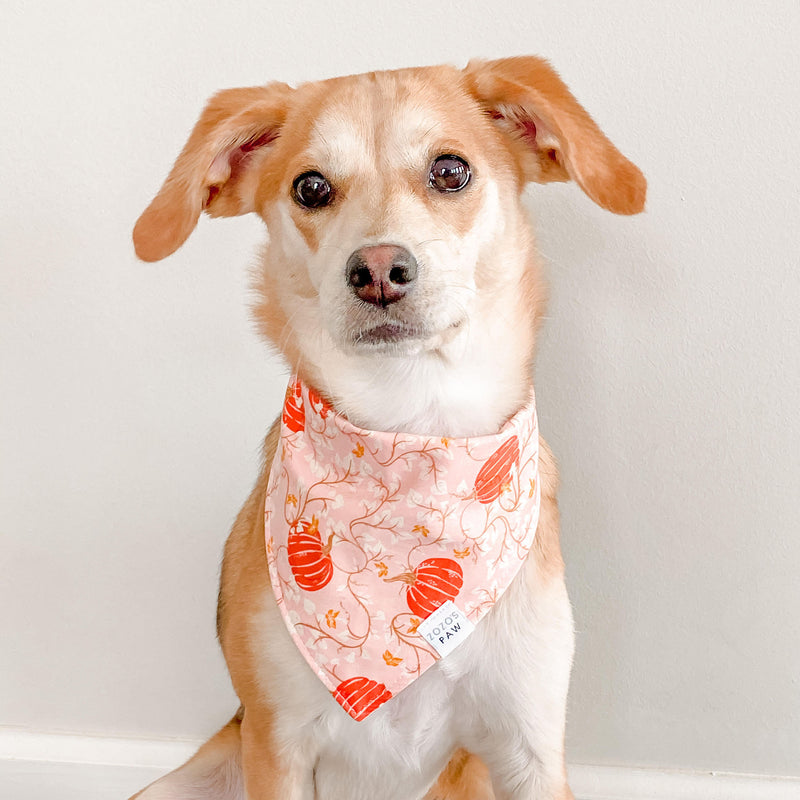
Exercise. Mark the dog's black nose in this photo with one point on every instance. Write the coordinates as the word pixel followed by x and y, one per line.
pixel 381 274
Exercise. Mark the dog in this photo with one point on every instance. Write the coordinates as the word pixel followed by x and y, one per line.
pixel 401 284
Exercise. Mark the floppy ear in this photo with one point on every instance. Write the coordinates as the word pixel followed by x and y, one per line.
pixel 215 171
pixel 553 135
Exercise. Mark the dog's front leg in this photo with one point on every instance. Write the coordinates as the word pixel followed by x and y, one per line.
pixel 270 772
pixel 530 764
pixel 524 689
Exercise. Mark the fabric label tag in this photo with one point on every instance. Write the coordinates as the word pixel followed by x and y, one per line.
pixel 446 628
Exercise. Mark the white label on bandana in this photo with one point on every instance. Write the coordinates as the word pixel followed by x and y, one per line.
pixel 446 628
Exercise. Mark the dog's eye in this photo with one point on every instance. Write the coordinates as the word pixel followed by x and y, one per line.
pixel 449 174
pixel 312 190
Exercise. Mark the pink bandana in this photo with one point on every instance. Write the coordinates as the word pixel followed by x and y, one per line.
pixel 385 549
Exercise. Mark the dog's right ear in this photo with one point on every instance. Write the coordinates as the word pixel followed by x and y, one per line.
pixel 216 171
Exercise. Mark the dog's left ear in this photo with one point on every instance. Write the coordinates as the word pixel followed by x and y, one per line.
pixel 553 136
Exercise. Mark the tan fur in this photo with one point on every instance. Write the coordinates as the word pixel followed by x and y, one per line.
pixel 518 122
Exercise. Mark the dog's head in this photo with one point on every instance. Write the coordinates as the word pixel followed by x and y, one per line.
pixel 392 199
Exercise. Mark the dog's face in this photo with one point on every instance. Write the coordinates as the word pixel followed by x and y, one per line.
pixel 389 189
pixel 391 199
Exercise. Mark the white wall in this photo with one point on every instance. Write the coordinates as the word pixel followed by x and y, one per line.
pixel 134 396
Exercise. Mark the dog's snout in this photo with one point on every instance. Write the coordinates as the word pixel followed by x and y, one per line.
pixel 381 274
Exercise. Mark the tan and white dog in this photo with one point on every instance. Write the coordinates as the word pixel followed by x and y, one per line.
pixel 400 280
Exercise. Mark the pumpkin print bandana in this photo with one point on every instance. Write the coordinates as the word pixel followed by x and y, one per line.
pixel 381 546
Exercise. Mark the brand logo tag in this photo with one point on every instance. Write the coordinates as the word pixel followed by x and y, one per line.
pixel 445 628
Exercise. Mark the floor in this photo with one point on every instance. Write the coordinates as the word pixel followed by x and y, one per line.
pixel 35 780
pixel 22 779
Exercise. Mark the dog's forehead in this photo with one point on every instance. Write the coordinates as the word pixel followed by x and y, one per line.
pixel 388 119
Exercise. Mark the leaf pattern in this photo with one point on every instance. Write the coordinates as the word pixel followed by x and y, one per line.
pixel 330 618
pixel 390 660
pixel 367 533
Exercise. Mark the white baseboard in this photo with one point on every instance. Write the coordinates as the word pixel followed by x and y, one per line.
pixel 66 748
pixel 33 764
pixel 46 766
pixel 635 783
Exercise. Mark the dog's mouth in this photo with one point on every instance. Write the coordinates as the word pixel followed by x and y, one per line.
pixel 397 334
pixel 389 333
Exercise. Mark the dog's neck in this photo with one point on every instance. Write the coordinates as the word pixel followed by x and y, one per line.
pixel 442 392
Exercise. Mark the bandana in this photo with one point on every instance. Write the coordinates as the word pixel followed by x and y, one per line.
pixel 385 549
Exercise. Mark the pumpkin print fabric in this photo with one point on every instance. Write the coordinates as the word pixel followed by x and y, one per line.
pixel 368 533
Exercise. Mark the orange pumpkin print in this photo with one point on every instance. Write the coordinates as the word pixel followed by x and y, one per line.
pixel 294 415
pixel 432 583
pixel 360 696
pixel 309 558
pixel 316 399
pixel 494 474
